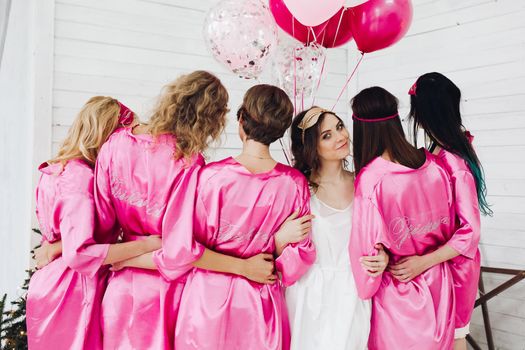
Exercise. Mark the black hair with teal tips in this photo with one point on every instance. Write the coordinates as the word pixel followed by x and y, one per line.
pixel 435 108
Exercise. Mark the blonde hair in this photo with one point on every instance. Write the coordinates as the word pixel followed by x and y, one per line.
pixel 192 108
pixel 95 122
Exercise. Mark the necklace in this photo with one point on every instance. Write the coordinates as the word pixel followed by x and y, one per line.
pixel 254 156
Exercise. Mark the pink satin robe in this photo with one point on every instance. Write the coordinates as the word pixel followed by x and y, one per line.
pixel 409 211
pixel 237 213
pixel 141 189
pixel 64 297
pixel 465 268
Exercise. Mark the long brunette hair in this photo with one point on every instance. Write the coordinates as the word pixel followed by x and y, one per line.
pixel 372 139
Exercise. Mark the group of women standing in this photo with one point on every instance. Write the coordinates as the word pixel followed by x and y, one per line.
pixel 249 253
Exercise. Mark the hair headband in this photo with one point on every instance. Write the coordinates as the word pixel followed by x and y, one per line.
pixel 355 117
pixel 311 118
pixel 126 115
pixel 412 90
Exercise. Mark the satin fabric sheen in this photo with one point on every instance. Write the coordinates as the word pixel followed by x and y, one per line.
pixel 237 213
pixel 64 297
pixel 411 212
pixel 465 268
pixel 141 189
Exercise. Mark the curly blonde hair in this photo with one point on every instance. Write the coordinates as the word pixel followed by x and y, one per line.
pixel 95 122
pixel 192 108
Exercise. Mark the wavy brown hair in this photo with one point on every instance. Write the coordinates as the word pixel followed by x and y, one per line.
pixel 192 108
pixel 95 122
pixel 305 156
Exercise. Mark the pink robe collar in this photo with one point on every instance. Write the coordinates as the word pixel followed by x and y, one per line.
pixel 277 169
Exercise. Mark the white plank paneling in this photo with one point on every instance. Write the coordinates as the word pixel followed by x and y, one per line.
pixel 130 53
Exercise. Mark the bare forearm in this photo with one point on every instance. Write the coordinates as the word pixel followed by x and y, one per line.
pixel 55 249
pixel 210 260
pixel 144 261
pixel 218 262
pixel 124 251
pixel 440 255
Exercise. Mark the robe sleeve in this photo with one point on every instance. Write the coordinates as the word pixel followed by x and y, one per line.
pixel 296 258
pixel 77 223
pixel 466 238
pixel 106 218
pixel 368 229
pixel 206 224
pixel 179 248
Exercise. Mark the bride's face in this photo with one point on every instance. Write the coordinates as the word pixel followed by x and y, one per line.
pixel 334 139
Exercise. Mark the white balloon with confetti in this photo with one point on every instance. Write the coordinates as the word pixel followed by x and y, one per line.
pixel 300 66
pixel 241 34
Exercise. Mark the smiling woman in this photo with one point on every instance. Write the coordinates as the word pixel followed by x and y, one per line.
pixel 307 143
pixel 320 146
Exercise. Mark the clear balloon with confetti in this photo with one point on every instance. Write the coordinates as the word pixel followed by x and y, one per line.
pixel 298 68
pixel 241 34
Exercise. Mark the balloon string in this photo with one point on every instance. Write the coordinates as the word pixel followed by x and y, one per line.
pixel 294 92
pixel 302 87
pixel 338 25
pixel 294 70
pixel 284 152
pixel 313 34
pixel 322 70
pixel 319 81
pixel 324 59
pixel 307 37
pixel 324 35
pixel 348 80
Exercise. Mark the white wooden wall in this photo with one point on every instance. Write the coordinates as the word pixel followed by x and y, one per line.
pixel 480 45
pixel 130 48
pixel 16 117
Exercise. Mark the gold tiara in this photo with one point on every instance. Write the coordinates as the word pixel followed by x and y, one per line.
pixel 310 118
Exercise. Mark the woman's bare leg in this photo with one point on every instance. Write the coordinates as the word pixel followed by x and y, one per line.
pixel 460 344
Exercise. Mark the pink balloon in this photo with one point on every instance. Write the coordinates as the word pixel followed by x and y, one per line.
pixel 337 30
pixel 287 22
pixel 313 12
pixel 326 33
pixel 378 24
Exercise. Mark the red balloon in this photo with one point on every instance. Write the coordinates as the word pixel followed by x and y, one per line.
pixel 287 22
pixel 324 34
pixel 378 24
pixel 337 31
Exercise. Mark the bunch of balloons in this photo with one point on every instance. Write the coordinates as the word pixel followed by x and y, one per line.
pixel 374 24
pixel 242 34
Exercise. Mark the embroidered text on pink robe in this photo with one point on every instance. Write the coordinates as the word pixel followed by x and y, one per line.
pixel 141 189
pixel 410 212
pixel 237 213
pixel 64 297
